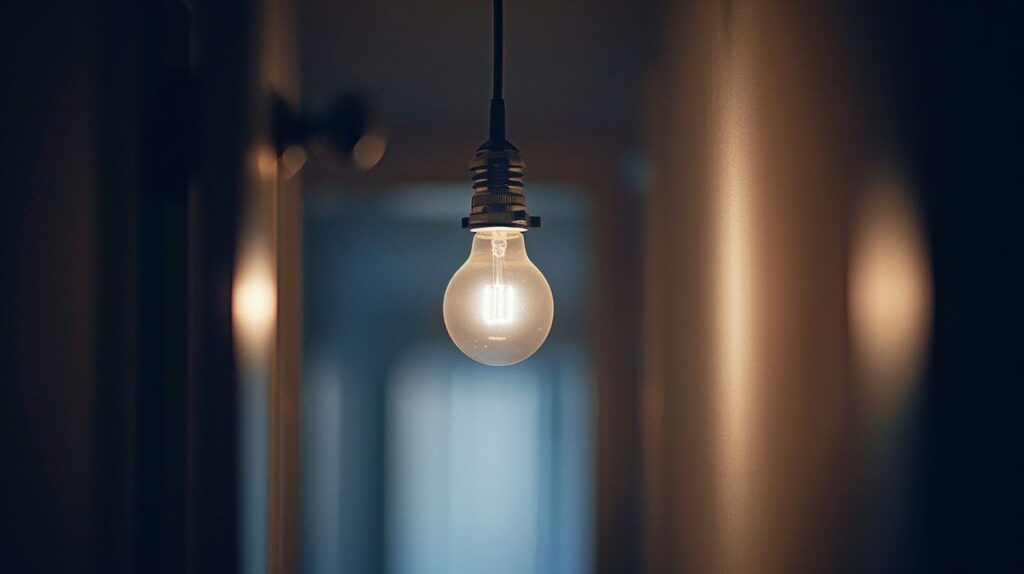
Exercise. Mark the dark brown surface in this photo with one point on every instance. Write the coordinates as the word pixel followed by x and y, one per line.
pixel 126 142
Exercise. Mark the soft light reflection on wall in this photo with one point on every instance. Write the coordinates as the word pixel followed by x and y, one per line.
pixel 734 304
pixel 254 302
pixel 749 297
pixel 254 292
pixel 890 295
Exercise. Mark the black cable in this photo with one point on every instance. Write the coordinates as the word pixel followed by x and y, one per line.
pixel 499 46
pixel 497 100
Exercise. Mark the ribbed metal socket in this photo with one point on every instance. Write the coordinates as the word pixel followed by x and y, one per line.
pixel 498 198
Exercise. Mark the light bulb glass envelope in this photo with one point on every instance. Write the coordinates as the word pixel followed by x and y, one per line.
pixel 498 306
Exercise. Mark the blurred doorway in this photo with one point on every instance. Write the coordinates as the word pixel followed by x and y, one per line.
pixel 416 460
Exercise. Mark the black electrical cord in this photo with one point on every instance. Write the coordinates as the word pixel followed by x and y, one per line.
pixel 497 168
pixel 499 48
pixel 497 99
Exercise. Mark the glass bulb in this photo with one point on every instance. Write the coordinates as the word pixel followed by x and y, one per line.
pixel 498 305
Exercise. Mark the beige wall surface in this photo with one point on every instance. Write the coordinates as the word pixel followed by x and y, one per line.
pixel 756 134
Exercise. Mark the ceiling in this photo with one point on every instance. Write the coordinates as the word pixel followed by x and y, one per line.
pixel 426 65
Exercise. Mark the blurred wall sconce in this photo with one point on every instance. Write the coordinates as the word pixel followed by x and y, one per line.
pixel 350 131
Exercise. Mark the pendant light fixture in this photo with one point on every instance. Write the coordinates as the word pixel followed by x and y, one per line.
pixel 498 306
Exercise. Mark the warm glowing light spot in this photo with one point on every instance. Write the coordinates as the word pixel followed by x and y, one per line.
pixel 735 281
pixel 369 150
pixel 254 303
pixel 890 294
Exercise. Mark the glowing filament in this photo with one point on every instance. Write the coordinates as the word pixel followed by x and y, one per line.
pixel 498 295
pixel 498 305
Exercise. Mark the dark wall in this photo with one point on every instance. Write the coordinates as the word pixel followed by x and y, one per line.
pixel 68 133
pixel 122 173
pixel 964 60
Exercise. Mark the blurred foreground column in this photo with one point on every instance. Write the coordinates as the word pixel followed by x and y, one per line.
pixel 748 417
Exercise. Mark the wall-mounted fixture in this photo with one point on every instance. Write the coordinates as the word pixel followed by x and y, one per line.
pixel 498 306
pixel 350 130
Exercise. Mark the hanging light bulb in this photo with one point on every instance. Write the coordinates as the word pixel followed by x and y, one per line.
pixel 498 306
